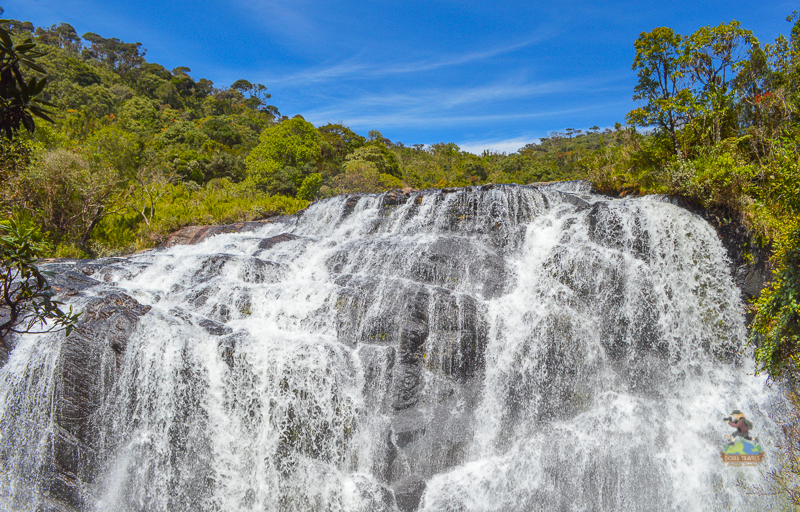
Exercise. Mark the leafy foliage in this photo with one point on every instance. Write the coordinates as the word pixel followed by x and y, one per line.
pixel 27 300
pixel 778 311
pixel 19 97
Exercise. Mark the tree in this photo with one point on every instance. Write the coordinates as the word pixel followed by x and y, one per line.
pixel 659 66
pixel 309 189
pixel 26 300
pixel 119 56
pixel 342 139
pixel 378 155
pixel 285 155
pixel 147 185
pixel 688 82
pixel 63 36
pixel 714 57
pixel 66 193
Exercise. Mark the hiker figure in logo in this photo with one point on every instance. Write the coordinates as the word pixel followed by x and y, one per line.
pixel 741 424
pixel 740 440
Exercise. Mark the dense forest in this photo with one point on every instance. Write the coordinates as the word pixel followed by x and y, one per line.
pixel 136 151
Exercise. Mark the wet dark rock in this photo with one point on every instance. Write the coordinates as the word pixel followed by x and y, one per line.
pixel 227 346
pixel 408 373
pixel 579 203
pixel 598 220
pixel 212 267
pixel 90 359
pixel 749 259
pixel 408 493
pixel 403 438
pixel 71 281
pixel 393 198
pixel 606 228
pixel 350 204
pixel 408 382
pixel 214 328
pixel 255 270
pixel 269 243
pixel 465 357
pixel 435 433
pixel 750 262
pixel 374 498
pixel 447 262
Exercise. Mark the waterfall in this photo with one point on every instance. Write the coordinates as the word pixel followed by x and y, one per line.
pixel 501 348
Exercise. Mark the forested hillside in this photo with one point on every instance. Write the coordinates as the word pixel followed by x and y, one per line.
pixel 137 150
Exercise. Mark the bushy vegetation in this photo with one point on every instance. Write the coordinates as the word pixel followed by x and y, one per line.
pixel 135 149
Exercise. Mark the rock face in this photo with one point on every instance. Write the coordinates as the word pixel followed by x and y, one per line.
pixel 89 361
pixel 750 264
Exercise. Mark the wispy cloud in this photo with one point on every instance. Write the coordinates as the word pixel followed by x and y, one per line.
pixel 358 66
pixel 442 120
pixel 295 22
pixel 447 106
pixel 445 98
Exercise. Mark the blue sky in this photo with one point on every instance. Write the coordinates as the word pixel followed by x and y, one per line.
pixel 485 75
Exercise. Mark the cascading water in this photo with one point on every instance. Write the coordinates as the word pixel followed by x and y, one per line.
pixel 500 348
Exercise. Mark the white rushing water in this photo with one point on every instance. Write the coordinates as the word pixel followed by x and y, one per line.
pixel 499 349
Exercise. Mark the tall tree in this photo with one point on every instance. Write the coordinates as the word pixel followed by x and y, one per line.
pixel 659 66
pixel 714 56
